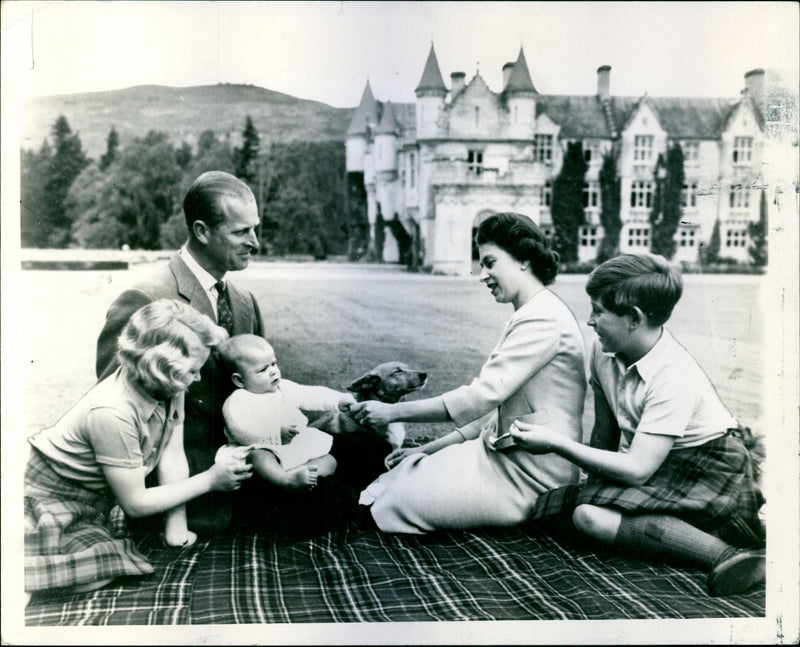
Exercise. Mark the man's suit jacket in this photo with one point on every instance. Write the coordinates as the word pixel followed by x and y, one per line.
pixel 203 426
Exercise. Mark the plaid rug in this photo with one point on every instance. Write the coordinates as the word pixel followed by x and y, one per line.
pixel 367 576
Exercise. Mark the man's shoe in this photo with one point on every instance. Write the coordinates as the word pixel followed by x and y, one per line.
pixel 737 571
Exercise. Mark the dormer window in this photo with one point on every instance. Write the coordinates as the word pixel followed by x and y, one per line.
pixel 477 116
pixel 742 150
pixel 643 148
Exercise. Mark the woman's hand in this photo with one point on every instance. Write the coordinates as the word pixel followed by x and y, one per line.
pixel 399 454
pixel 372 413
pixel 536 439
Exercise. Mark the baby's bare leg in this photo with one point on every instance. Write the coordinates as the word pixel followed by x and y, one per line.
pixel 267 466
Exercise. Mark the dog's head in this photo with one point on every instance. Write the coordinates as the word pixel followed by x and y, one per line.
pixel 387 383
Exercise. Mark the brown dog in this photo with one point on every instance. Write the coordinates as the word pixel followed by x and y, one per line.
pixel 388 382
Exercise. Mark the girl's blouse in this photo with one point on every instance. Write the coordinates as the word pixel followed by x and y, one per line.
pixel 114 424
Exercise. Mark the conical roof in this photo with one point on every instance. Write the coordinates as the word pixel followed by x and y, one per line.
pixel 388 124
pixel 366 112
pixel 520 79
pixel 431 80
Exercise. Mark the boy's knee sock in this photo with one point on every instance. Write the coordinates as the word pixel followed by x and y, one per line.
pixel 666 538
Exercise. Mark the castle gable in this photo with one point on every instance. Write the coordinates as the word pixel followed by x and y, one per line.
pixel 476 112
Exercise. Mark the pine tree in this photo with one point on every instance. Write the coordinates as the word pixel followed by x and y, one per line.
pixel 246 157
pixel 66 164
pixel 567 208
pixel 610 201
pixel 758 234
pixel 708 253
pixel 34 206
pixel 666 214
pixel 112 144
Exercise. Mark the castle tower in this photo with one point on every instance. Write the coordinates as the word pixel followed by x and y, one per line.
pixel 358 132
pixel 521 100
pixel 386 141
pixel 431 93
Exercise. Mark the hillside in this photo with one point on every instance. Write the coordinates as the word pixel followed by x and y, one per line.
pixel 183 113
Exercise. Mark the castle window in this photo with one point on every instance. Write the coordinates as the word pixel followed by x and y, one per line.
pixel 639 237
pixel 475 162
pixel 643 147
pixel 589 236
pixel 736 238
pixel 742 150
pixel 739 197
pixel 687 236
pixel 543 148
pixel 689 195
pixel 412 170
pixel 641 194
pixel 546 194
pixel 477 116
pixel 591 195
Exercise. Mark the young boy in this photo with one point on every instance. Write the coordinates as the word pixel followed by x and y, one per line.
pixel 265 413
pixel 669 474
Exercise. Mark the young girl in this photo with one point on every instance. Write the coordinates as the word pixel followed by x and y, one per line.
pixel 99 453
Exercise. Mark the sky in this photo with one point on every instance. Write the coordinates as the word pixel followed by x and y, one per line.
pixel 326 51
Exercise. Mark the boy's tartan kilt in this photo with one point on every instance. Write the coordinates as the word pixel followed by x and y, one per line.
pixel 711 486
pixel 69 537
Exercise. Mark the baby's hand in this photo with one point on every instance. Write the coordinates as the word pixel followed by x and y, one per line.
pixel 345 402
pixel 536 439
pixel 287 433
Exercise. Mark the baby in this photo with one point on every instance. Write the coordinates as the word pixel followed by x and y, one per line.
pixel 265 412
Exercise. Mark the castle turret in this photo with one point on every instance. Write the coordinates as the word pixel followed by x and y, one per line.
pixel 521 100
pixel 431 93
pixel 386 141
pixel 358 133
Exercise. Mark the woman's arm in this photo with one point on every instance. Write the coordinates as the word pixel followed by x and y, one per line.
pixel 379 413
pixel 647 453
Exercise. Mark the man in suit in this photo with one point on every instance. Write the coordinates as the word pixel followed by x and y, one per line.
pixel 221 216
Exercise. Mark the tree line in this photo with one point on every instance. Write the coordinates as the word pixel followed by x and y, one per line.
pixel 132 195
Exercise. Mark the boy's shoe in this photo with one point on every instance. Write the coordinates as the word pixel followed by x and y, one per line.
pixel 737 571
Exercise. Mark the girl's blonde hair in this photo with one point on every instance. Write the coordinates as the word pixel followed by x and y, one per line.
pixel 160 338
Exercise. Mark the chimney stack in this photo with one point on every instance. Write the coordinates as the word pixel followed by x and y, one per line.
pixel 754 86
pixel 456 82
pixel 603 82
pixel 507 69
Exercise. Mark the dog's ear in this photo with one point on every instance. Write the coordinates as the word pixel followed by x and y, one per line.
pixel 366 382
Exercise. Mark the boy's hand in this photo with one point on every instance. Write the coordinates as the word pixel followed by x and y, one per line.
pixel 399 454
pixel 287 433
pixel 345 402
pixel 535 439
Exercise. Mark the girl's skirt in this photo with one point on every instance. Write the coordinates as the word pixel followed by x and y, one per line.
pixel 711 486
pixel 69 539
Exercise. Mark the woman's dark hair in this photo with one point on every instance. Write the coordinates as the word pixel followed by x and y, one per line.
pixel 519 236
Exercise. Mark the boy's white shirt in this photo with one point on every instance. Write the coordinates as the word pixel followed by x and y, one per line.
pixel 664 392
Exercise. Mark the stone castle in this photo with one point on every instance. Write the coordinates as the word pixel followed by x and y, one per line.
pixel 432 170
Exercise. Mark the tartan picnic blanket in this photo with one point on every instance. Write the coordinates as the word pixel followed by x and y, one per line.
pixel 354 575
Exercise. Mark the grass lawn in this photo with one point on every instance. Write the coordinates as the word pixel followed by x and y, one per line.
pixel 332 323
